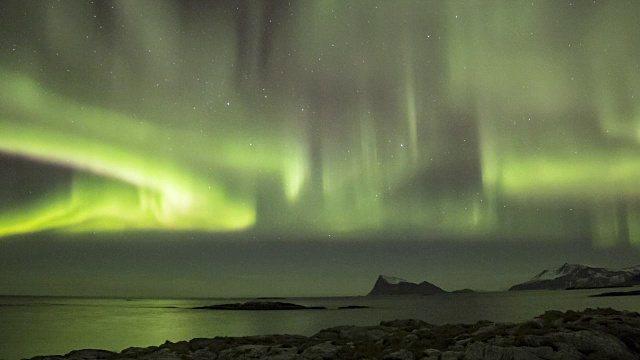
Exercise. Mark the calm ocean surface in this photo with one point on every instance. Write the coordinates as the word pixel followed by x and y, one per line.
pixel 31 326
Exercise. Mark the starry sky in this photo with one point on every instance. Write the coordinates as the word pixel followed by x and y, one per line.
pixel 250 148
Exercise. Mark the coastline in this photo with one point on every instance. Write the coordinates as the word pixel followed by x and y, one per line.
pixel 593 333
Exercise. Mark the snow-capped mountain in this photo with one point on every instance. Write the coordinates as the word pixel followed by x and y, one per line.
pixel 579 276
pixel 392 280
pixel 391 285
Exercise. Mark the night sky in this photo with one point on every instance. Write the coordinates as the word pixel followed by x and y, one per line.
pixel 285 148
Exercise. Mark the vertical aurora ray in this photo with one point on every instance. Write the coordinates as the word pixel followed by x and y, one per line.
pixel 410 95
pixel 539 104
pixel 615 73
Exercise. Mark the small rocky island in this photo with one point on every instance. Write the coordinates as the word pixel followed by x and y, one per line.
pixel 588 334
pixel 271 305
pixel 260 305
pixel 618 293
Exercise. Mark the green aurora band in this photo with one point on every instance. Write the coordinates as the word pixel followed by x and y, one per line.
pixel 468 120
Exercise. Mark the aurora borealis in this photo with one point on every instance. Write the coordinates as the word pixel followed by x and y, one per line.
pixel 373 121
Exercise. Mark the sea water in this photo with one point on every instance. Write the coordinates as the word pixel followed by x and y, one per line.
pixel 31 326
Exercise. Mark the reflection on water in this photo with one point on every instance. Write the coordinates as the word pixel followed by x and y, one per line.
pixel 31 326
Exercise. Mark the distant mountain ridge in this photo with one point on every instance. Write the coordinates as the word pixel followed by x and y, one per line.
pixel 580 276
pixel 391 285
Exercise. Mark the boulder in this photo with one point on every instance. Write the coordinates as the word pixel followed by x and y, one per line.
pixel 90 354
pixel 451 355
pixel 325 350
pixel 266 352
pixel 401 354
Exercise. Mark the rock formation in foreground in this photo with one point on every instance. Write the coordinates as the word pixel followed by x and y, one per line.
pixel 390 285
pixel 588 334
pixel 579 276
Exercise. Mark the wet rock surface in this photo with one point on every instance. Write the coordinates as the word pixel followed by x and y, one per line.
pixel 588 334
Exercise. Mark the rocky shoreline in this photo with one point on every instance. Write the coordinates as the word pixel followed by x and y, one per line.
pixel 588 334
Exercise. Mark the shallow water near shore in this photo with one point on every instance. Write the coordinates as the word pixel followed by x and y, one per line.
pixel 31 326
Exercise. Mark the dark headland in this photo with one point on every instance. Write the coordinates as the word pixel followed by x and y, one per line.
pixel 577 276
pixel 618 293
pixel 588 334
pixel 391 285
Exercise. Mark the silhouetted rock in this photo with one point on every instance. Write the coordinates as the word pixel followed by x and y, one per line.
pixel 554 335
pixel 259 352
pixel 324 350
pixel 389 285
pixel 401 354
pixel 260 305
pixel 578 276
pixel 618 293
pixel 463 291
pixel 634 280
pixel 405 324
pixel 353 307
